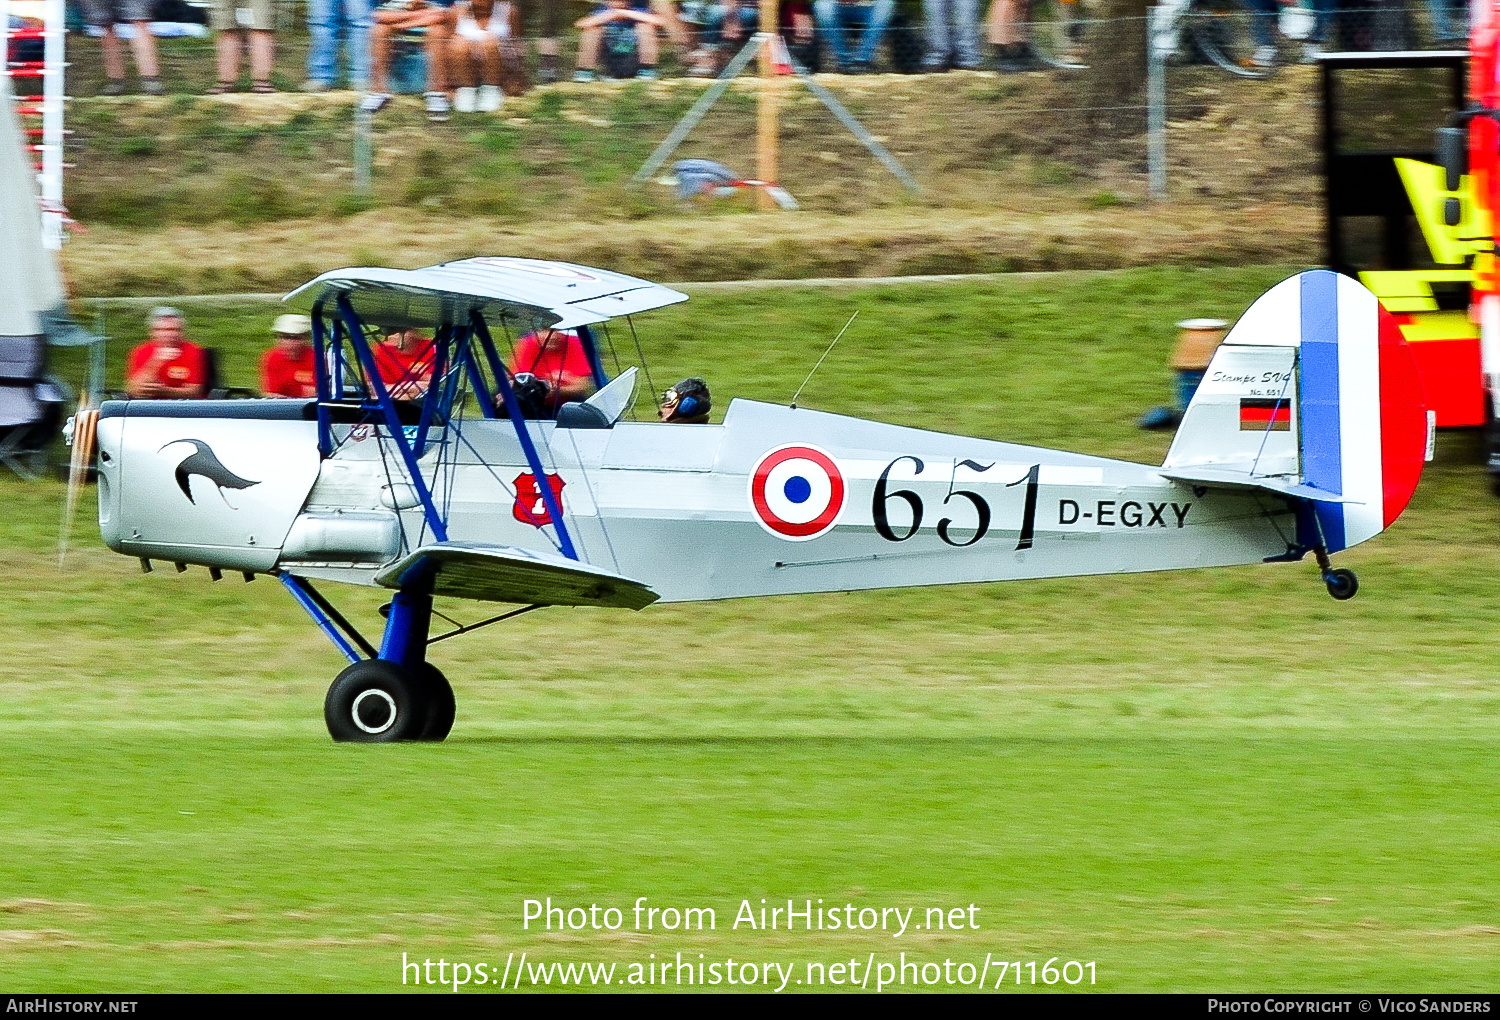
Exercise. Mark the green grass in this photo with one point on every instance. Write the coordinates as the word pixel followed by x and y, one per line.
pixel 1214 780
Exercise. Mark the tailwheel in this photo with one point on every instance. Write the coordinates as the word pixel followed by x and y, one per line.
pixel 440 703
pixel 1342 584
pixel 376 702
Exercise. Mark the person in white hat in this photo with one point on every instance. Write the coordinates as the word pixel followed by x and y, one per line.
pixel 287 369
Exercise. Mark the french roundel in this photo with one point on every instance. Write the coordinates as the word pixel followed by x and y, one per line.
pixel 797 492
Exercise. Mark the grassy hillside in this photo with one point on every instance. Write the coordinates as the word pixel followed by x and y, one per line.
pixel 192 194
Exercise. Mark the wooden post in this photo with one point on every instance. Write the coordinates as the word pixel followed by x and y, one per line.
pixel 767 133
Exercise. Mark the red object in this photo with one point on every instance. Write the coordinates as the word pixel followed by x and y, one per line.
pixel 284 376
pixel 397 366
pixel 1403 416
pixel 1484 135
pixel 530 507
pixel 560 360
pixel 1452 380
pixel 186 369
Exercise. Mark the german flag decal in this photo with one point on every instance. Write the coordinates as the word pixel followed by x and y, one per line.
pixel 1265 415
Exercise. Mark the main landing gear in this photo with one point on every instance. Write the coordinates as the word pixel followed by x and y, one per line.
pixel 396 694
pixel 392 693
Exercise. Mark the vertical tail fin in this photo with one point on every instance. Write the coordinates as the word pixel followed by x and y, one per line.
pixel 1313 393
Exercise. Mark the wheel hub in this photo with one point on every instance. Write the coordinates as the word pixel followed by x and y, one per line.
pixel 374 711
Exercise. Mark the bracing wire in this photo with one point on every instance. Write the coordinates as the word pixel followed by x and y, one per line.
pixel 614 354
pixel 820 360
pixel 655 393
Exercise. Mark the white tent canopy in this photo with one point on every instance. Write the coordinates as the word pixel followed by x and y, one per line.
pixel 31 283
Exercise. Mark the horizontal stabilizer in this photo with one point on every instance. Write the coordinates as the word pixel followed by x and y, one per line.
pixel 1229 478
pixel 503 573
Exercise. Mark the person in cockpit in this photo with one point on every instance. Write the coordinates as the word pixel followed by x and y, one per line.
pixel 686 403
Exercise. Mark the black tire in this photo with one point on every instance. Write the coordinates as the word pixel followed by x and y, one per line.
pixel 1058 31
pixel 1342 584
pixel 375 702
pixel 441 707
pixel 1221 31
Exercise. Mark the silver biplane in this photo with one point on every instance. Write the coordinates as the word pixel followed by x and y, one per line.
pixel 1307 435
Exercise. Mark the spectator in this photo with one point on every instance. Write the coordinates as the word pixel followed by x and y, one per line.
pixel 835 17
pixel 952 35
pixel 327 22
pixel 254 33
pixel 1006 29
pixel 1323 12
pixel 435 20
pixel 166 365
pixel 106 14
pixel 625 34
pixel 404 360
pixel 798 30
pixel 483 59
pixel 1262 31
pixel 551 10
pixel 717 28
pixel 725 26
pixel 553 362
pixel 546 46
pixel 288 369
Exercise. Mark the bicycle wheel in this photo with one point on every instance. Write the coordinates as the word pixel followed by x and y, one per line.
pixel 1059 31
pixel 1222 31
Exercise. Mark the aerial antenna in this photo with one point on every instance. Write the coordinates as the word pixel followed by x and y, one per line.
pixel 820 360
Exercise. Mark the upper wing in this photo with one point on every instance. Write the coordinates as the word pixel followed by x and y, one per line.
pixel 503 573
pixel 526 292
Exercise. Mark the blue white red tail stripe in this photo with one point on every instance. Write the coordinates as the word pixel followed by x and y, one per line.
pixel 1361 409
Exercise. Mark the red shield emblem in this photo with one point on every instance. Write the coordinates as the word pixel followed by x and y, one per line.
pixel 530 508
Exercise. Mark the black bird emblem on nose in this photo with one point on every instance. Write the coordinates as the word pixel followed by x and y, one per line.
pixel 206 463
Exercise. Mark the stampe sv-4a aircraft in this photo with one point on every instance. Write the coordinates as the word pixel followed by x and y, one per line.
pixel 1307 435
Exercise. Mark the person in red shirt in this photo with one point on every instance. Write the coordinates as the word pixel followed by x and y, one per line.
pixel 557 361
pixel 167 365
pixel 288 369
pixel 404 360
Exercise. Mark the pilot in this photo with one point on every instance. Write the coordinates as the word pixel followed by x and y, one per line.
pixel 287 369
pixel 404 360
pixel 550 368
pixel 166 366
pixel 687 402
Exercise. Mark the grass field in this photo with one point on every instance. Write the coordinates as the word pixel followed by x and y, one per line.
pixel 1198 781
